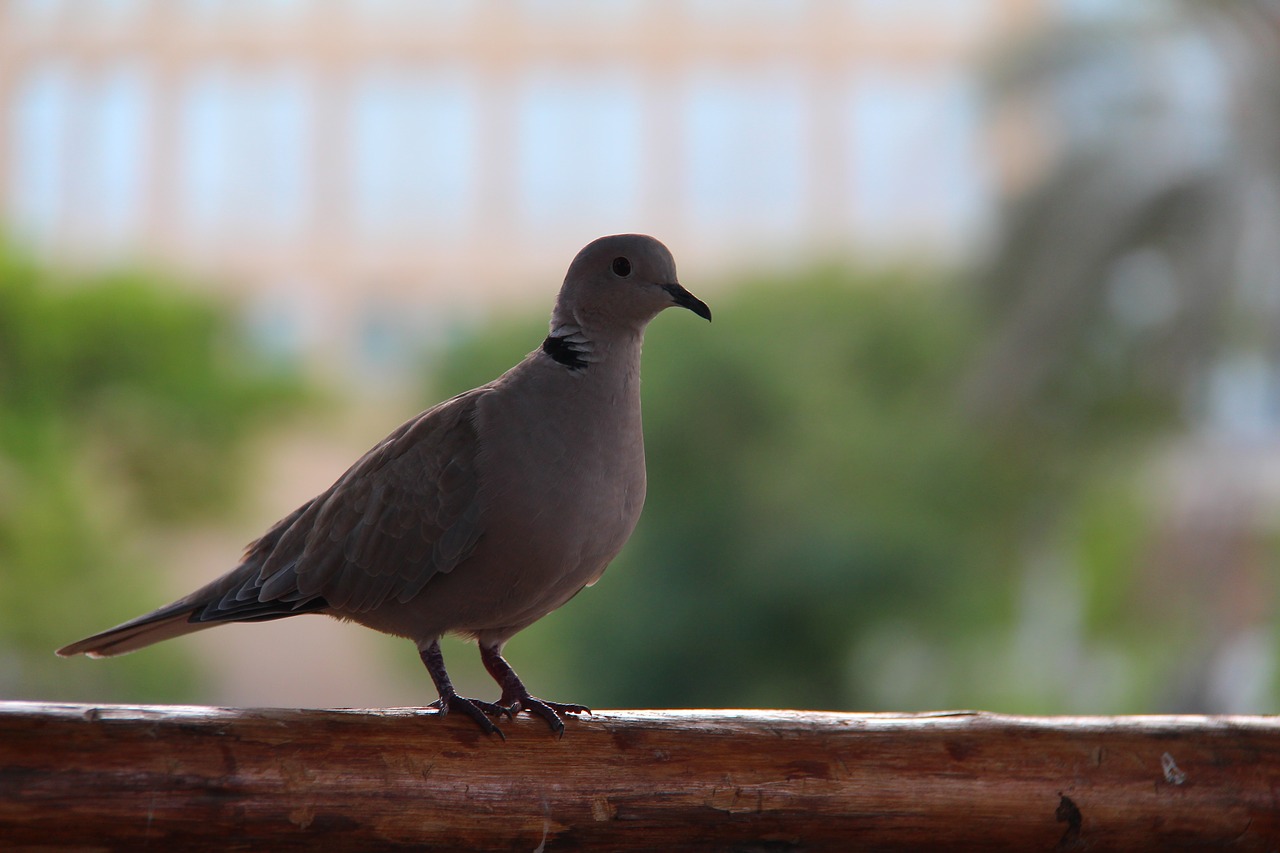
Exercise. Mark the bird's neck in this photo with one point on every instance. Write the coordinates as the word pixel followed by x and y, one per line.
pixel 570 347
pixel 581 350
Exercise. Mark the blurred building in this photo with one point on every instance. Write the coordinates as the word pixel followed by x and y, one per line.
pixel 356 168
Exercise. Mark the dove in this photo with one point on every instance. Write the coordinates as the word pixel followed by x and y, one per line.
pixel 479 516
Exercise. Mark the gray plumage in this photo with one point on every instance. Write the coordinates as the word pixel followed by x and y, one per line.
pixel 482 514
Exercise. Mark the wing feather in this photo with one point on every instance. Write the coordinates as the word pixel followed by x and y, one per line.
pixel 406 511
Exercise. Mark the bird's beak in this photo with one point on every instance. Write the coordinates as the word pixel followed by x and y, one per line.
pixel 685 299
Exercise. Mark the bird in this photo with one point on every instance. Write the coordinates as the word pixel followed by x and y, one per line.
pixel 480 515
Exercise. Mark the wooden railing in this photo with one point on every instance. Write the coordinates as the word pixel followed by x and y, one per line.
pixel 196 778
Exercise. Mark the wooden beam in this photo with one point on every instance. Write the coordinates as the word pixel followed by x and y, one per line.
pixel 197 778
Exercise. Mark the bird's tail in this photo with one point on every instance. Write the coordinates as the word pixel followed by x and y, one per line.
pixel 234 597
pixel 170 621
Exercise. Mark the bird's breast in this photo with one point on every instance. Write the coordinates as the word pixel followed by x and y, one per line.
pixel 579 461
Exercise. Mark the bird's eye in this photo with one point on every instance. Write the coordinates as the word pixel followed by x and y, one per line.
pixel 621 267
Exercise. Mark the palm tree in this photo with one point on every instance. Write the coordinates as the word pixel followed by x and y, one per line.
pixel 1136 288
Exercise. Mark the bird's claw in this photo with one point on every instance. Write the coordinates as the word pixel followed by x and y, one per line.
pixel 479 712
pixel 495 709
pixel 548 711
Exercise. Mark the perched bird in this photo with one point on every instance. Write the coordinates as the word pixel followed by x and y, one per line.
pixel 482 514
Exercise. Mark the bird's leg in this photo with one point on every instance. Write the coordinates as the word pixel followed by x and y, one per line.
pixel 450 700
pixel 515 698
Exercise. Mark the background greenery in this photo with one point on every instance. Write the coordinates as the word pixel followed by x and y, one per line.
pixel 125 407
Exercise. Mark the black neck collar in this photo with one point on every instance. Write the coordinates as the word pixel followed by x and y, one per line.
pixel 564 351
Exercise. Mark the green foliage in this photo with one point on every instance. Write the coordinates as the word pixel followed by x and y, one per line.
pixel 826 526
pixel 124 402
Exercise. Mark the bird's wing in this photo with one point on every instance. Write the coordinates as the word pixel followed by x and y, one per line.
pixel 407 510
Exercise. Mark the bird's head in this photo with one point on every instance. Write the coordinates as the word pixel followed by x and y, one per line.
pixel 621 282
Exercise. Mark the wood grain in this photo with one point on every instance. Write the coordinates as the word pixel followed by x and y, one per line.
pixel 79 777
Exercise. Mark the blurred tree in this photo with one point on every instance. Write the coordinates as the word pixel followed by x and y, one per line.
pixel 1141 248
pixel 124 402
pixel 1139 280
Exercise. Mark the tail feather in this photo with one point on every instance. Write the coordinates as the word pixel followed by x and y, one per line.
pixel 234 597
pixel 162 624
